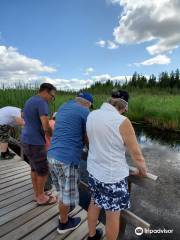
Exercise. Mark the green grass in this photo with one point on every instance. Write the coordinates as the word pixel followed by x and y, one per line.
pixel 161 111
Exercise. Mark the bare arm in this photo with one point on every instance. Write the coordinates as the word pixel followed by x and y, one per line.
pixel 128 135
pixel 19 121
pixel 46 126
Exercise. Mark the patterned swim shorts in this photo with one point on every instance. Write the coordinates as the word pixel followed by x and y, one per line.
pixel 66 179
pixel 4 133
pixel 109 196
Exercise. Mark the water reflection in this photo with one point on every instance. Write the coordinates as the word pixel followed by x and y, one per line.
pixel 147 136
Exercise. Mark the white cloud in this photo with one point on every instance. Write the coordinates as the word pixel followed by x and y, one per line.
pixel 77 84
pixel 89 71
pixel 147 20
pixel 17 67
pixel 104 77
pixel 66 84
pixel 160 59
pixel 101 43
pixel 111 45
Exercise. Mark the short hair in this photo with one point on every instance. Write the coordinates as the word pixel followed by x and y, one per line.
pixel 47 87
pixel 117 103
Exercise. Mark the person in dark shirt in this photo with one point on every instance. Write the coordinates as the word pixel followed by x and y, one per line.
pixel 36 112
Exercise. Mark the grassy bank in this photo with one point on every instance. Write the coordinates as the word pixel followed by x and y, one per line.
pixel 161 111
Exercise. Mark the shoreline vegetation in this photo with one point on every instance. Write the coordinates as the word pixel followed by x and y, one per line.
pixel 152 101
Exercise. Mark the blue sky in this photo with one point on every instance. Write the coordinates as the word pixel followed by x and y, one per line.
pixel 74 43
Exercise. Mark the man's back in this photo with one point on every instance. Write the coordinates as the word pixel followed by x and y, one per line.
pixel 33 133
pixel 8 115
pixel 70 127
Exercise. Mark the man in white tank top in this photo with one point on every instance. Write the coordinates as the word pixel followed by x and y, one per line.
pixel 108 132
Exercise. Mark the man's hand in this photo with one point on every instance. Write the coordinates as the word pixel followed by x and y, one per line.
pixel 46 127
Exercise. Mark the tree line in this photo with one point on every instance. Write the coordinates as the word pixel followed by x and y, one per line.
pixel 165 80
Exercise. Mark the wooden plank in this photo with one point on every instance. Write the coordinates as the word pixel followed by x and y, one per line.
pixel 13 170
pixel 48 227
pixel 34 223
pixel 17 222
pixel 16 172
pixel 4 163
pixel 14 182
pixel 21 174
pixel 16 159
pixel 10 161
pixel 16 213
pixel 141 182
pixel 13 187
pixel 134 220
pixel 16 205
pixel 12 165
pixel 149 175
pixel 15 198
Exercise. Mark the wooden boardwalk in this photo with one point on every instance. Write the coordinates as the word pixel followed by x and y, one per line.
pixel 20 217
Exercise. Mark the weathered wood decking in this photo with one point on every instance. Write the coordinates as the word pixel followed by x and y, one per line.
pixel 20 217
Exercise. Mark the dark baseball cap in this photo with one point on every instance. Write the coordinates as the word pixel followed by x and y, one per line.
pixel 120 94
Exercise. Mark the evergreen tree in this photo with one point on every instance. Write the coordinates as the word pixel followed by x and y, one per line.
pixel 152 81
pixel 172 82
pixel 177 78
pixel 164 81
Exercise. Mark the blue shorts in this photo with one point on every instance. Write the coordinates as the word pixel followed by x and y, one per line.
pixel 109 196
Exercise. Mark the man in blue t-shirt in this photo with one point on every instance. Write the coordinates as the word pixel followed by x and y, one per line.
pixel 64 155
pixel 36 112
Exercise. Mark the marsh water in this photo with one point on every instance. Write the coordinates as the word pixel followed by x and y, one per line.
pixel 159 204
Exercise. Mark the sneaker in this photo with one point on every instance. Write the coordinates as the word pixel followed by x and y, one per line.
pixel 97 236
pixel 12 154
pixel 71 224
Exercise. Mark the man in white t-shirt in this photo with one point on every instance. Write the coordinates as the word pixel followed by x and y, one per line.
pixel 9 117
